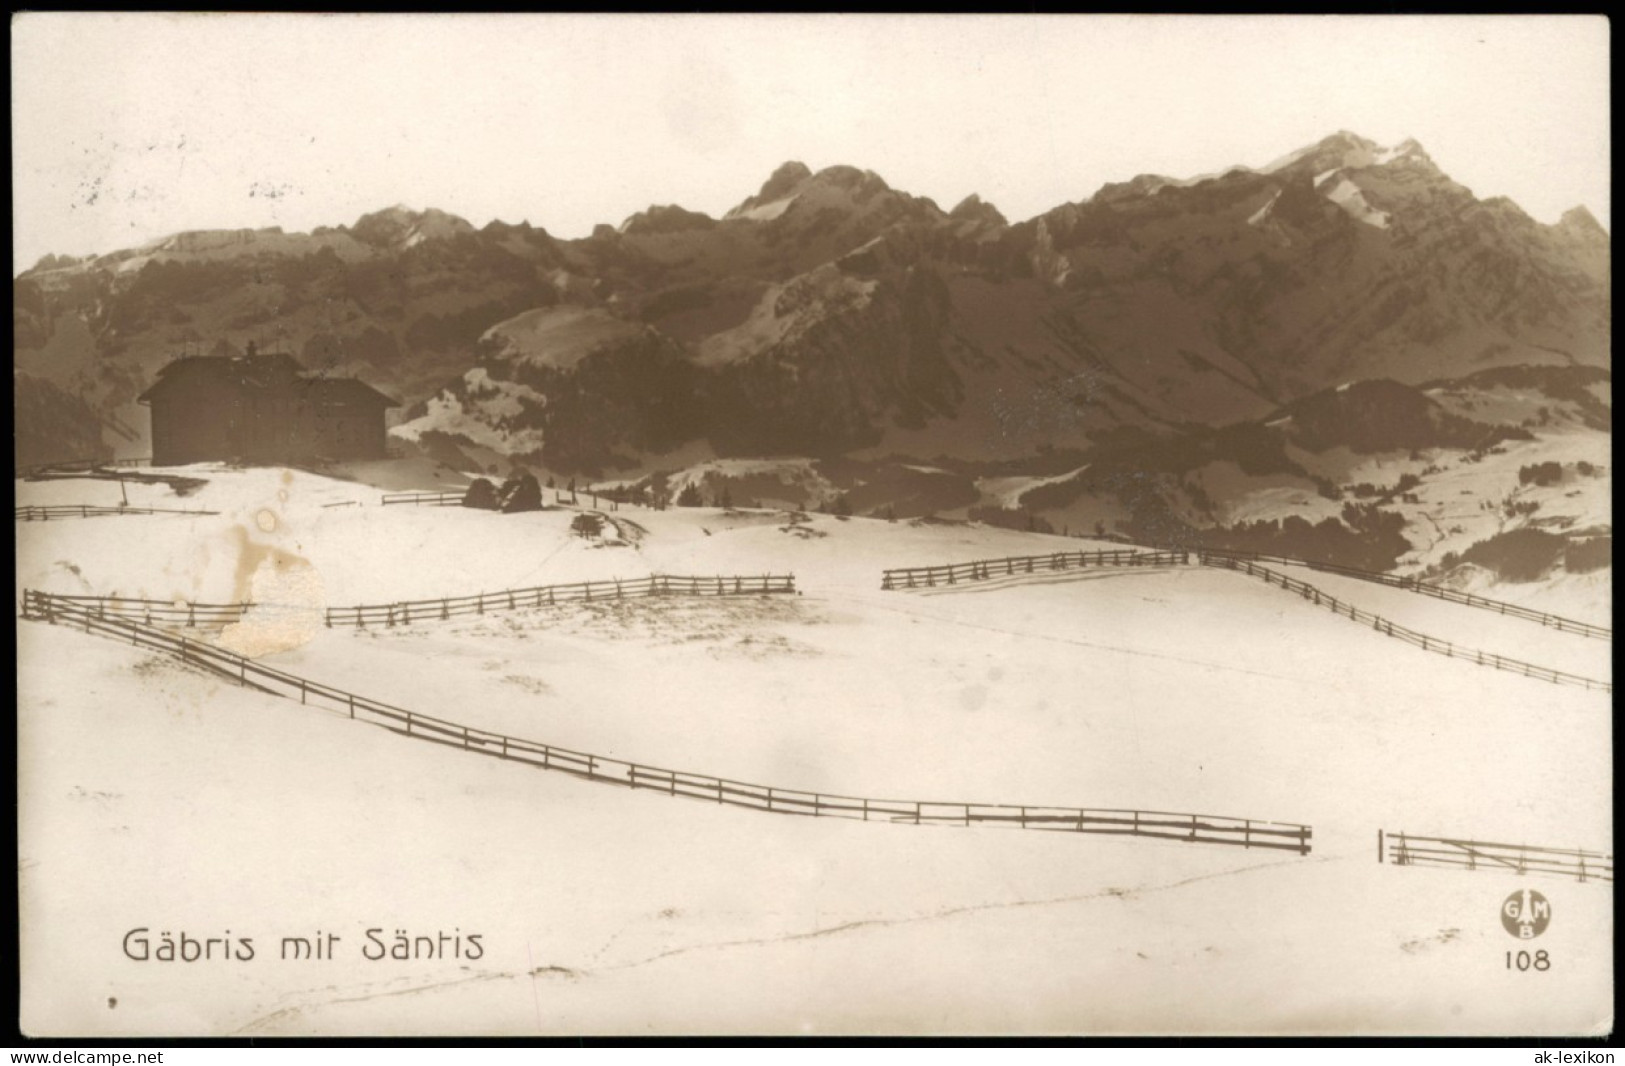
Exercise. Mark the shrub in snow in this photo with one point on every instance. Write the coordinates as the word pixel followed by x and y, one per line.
pixel 481 494
pixel 521 492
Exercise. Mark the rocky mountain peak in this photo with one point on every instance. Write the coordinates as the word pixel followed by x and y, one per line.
pixel 974 209
pixel 402 227
pixel 667 219
pixel 1580 223
pixel 781 185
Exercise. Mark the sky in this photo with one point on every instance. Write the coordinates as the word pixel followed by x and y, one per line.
pixel 129 127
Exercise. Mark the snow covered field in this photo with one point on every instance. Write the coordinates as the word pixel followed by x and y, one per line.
pixel 156 796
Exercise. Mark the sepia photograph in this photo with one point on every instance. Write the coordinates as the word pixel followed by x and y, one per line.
pixel 536 526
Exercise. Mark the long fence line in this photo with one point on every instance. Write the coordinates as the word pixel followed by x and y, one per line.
pixel 1399 632
pixel 195 615
pixel 987 569
pixel 1189 828
pixel 408 611
pixel 80 510
pixel 1411 584
pixel 1407 849
pixel 914 577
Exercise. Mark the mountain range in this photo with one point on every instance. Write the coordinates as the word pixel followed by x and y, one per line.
pixel 832 314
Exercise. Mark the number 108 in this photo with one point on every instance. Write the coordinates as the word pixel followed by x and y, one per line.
pixel 1524 961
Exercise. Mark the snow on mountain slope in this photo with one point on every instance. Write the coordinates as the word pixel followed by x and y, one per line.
pixel 606 911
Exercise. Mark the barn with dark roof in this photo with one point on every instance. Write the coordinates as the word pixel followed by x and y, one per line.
pixel 261 409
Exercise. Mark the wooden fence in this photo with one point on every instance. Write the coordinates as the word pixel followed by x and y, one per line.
pixel 1411 584
pixel 1188 828
pixel 1405 849
pixel 80 510
pixel 193 615
pixel 985 569
pixel 424 499
pixel 149 612
pixel 1399 632
pixel 408 611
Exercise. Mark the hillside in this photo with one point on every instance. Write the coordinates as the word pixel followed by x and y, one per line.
pixel 599 909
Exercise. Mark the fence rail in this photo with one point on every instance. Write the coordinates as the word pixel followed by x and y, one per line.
pixel 1399 632
pixel 408 611
pixel 150 612
pixel 1411 584
pixel 1189 828
pixel 423 499
pixel 1405 849
pixel 80 510
pixel 985 569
